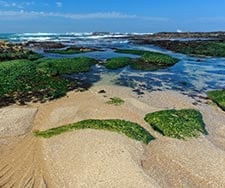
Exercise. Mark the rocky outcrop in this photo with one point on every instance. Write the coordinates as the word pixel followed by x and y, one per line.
pixel 43 45
pixel 11 51
pixel 9 47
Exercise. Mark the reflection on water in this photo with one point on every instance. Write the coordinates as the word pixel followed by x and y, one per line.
pixel 191 75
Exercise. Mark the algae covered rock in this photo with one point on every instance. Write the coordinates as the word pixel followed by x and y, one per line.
pixel 180 124
pixel 130 129
pixel 218 97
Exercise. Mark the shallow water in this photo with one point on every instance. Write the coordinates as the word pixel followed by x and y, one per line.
pixel 191 75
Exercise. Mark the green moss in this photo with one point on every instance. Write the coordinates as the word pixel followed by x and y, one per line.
pixel 65 65
pixel 118 62
pixel 214 49
pixel 116 101
pixel 25 54
pixel 179 124
pixel 72 50
pixel 149 60
pixel 21 80
pixel 134 52
pixel 130 129
pixel 24 81
pixel 159 59
pixel 218 97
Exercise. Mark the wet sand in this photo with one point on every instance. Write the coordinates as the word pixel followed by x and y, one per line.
pixel 94 158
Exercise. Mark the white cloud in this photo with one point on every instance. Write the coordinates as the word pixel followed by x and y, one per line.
pixel 211 19
pixel 20 5
pixel 32 14
pixel 4 4
pixel 59 4
pixel 98 15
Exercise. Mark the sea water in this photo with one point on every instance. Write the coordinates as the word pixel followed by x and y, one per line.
pixel 191 75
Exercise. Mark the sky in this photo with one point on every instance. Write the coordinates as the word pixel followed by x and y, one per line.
pixel 143 16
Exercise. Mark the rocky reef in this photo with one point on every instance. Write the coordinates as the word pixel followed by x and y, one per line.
pixel 10 51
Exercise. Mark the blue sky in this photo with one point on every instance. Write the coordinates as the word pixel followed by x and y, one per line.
pixel 111 15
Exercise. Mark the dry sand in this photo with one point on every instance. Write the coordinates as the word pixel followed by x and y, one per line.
pixel 93 158
pixel 21 117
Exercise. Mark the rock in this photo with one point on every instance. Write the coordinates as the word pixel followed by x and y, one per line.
pixel 101 91
pixel 44 45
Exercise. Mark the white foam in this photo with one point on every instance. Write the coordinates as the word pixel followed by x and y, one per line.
pixel 142 33
pixel 36 34
pixel 39 39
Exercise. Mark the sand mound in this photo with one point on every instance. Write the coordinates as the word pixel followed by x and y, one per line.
pixel 91 158
pixel 196 163
pixel 193 163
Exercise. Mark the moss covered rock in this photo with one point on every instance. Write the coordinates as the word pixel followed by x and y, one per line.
pixel 61 66
pixel 180 124
pixel 72 50
pixel 148 61
pixel 218 96
pixel 9 51
pixel 130 129
pixel 25 81
pixel 118 62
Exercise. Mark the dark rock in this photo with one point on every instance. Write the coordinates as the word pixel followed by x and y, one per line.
pixel 43 45
pixel 101 33
pixel 101 91
pixel 138 91
pixel 176 35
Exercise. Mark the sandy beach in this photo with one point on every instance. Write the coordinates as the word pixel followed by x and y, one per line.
pixel 95 158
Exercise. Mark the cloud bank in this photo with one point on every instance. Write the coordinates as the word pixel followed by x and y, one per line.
pixel 4 14
pixel 21 5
